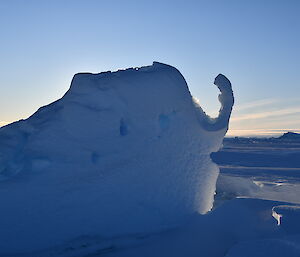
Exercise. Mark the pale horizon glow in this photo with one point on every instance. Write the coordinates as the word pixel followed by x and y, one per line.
pixel 259 132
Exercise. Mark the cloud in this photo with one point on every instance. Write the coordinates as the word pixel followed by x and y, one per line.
pixel 267 114
pixel 271 117
pixel 258 103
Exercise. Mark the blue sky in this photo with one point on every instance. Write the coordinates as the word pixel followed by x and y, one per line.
pixel 254 43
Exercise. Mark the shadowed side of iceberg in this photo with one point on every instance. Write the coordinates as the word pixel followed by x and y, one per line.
pixel 120 153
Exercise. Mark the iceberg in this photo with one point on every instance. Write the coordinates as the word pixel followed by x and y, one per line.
pixel 125 152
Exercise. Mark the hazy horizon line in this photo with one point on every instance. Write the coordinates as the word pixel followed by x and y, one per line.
pixel 232 132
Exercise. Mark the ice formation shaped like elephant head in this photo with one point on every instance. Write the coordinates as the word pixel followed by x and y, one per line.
pixel 125 151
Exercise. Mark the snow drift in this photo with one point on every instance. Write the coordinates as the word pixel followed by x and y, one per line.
pixel 121 152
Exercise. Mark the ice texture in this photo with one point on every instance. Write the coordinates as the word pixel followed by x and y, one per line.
pixel 120 153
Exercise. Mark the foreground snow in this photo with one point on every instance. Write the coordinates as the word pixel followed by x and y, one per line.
pixel 238 228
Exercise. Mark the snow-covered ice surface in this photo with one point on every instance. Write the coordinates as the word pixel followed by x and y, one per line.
pixel 120 167
pixel 269 169
pixel 122 155
pixel 259 168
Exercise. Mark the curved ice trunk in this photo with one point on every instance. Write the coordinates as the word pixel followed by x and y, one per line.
pixel 121 152
pixel 226 99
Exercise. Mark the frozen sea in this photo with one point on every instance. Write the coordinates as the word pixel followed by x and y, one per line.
pixel 263 168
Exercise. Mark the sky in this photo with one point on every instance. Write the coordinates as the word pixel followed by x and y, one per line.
pixel 256 44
